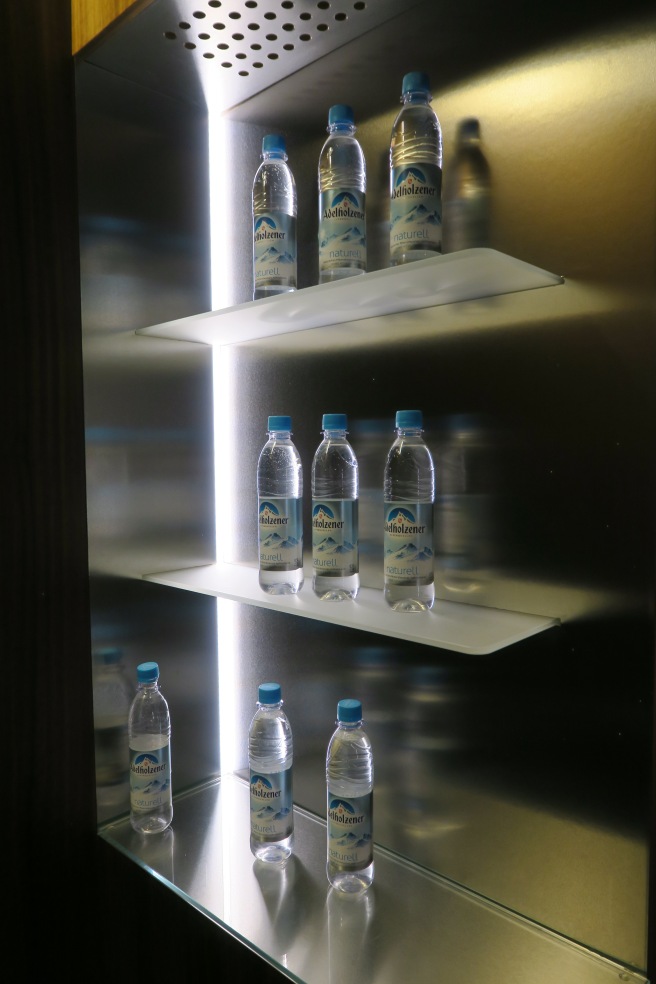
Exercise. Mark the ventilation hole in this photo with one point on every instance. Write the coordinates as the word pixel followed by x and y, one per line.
pixel 226 64
pixel 288 27
pixel 237 37
pixel 223 47
pixel 322 27
pixel 184 25
pixel 240 55
pixel 213 3
pixel 204 37
pixel 305 16
pixel 188 44
pixel 208 54
pixel 359 6
pixel 256 47
pixel 170 35
pixel 273 56
pixel 257 65
pixel 243 72
pixel 250 3
pixel 234 14
pixel 219 27
pixel 323 5
pixel 272 37
pixel 288 47
pixel 199 14
pixel 253 27
pixel 287 4
pixel 305 37
pixel 270 15
pixel 340 17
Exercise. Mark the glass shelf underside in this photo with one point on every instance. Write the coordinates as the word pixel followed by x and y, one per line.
pixel 411 925
pixel 467 275
pixel 450 625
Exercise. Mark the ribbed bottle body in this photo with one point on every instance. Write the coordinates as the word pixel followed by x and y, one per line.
pixel 280 515
pixel 342 191
pixel 270 758
pixel 335 493
pixel 415 176
pixel 274 209
pixel 408 551
pixel 149 729
pixel 349 806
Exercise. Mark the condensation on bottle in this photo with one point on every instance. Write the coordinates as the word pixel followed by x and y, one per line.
pixel 467 192
pixel 149 727
pixel 274 221
pixel 415 175
pixel 335 491
pixel 349 802
pixel 409 494
pixel 342 190
pixel 280 510
pixel 270 759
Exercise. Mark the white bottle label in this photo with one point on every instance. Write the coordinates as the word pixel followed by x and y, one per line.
pixel 281 534
pixel 350 840
pixel 342 235
pixel 274 249
pixel 150 772
pixel 335 537
pixel 272 815
pixel 416 208
pixel 408 541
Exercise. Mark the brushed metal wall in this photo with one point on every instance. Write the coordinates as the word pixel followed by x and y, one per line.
pixel 525 775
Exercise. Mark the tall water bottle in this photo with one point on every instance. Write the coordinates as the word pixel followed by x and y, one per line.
pixel 342 187
pixel 335 490
pixel 409 494
pixel 415 175
pixel 274 221
pixel 270 758
pixel 280 510
pixel 467 192
pixel 350 784
pixel 149 728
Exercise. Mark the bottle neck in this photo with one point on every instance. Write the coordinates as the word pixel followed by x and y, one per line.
pixel 417 97
pixel 346 129
pixel 349 725
pixel 280 435
pixel 409 431
pixel 273 156
pixel 270 707
pixel 332 435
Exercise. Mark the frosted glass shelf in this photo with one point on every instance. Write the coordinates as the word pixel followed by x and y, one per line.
pixel 457 627
pixel 467 275
pixel 411 925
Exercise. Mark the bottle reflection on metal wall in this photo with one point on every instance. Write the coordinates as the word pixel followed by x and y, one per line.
pixel 112 696
pixel 466 519
pixel 467 192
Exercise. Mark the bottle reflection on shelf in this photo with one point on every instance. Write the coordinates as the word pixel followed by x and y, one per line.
pixel 158 853
pixel 280 888
pixel 352 954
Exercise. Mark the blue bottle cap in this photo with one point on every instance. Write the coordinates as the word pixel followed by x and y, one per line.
pixel 269 693
pixel 415 82
pixel 333 421
pixel 349 711
pixel 340 114
pixel 409 418
pixel 273 143
pixel 279 424
pixel 147 672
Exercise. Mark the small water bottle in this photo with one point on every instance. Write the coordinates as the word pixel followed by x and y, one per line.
pixel 149 727
pixel 280 511
pixel 270 757
pixel 409 494
pixel 350 783
pixel 467 192
pixel 112 696
pixel 335 554
pixel 274 221
pixel 415 175
pixel 342 187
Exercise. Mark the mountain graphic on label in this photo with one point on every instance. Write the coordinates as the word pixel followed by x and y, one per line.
pixel 329 546
pixel 352 236
pixel 275 540
pixel 409 552
pixel 273 255
pixel 418 215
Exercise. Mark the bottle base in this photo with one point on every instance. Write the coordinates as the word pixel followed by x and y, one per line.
pixel 281 582
pixel 410 599
pixel 339 273
pixel 271 290
pixel 272 853
pixel 336 589
pixel 352 882
pixel 409 256
pixel 149 823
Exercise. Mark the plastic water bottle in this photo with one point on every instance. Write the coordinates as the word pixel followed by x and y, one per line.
pixel 112 696
pixel 342 187
pixel 149 726
pixel 274 221
pixel 335 555
pixel 415 175
pixel 280 511
pixel 350 783
pixel 409 493
pixel 270 757
pixel 467 192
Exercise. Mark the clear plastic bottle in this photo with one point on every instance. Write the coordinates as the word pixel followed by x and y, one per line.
pixel 149 727
pixel 280 511
pixel 274 221
pixel 270 758
pixel 342 188
pixel 335 554
pixel 409 494
pixel 112 697
pixel 467 192
pixel 415 175
pixel 350 784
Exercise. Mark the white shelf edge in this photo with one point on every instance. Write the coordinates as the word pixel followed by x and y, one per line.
pixel 470 274
pixel 462 628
